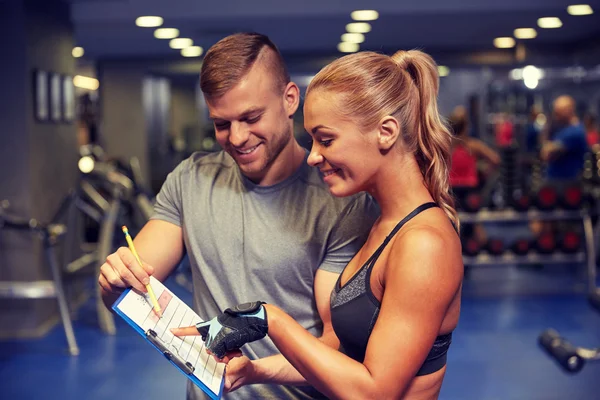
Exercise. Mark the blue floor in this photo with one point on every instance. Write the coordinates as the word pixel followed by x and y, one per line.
pixel 494 356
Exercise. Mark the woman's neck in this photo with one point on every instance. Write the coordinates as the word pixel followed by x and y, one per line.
pixel 399 188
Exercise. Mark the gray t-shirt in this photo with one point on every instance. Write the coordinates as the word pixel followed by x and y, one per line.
pixel 247 242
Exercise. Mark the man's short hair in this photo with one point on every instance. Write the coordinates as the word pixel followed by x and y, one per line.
pixel 230 59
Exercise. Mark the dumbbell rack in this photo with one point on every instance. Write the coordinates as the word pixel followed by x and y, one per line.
pixel 588 256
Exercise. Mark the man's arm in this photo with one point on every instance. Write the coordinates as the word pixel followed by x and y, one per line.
pixel 160 247
pixel 551 150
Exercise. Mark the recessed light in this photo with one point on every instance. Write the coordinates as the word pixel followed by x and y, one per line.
pixel 525 33
pixel 77 52
pixel 580 9
pixel 504 42
pixel 347 47
pixel 549 22
pixel 353 37
pixel 192 51
pixel 364 15
pixel 85 82
pixel 358 27
pixel 149 21
pixel 166 33
pixel 180 43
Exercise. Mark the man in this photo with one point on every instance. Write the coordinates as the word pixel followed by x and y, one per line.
pixel 256 221
pixel 565 153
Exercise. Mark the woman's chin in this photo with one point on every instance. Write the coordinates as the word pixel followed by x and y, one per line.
pixel 341 191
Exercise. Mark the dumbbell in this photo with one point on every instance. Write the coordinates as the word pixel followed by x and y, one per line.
pixel 594 299
pixel 521 246
pixel 561 350
pixel 570 242
pixel 546 198
pixel 471 246
pixel 495 246
pixel 521 201
pixel 545 243
pixel 572 197
pixel 473 202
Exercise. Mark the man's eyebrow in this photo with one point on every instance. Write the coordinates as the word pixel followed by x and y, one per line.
pixel 245 114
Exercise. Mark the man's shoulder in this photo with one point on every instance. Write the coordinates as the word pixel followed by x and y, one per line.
pixel 319 189
pixel 206 162
pixel 573 130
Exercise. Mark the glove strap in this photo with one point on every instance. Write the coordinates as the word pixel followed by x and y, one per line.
pixel 245 308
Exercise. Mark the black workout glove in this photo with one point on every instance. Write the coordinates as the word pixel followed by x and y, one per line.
pixel 237 326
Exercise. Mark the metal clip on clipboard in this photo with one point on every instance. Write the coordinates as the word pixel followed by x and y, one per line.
pixel 185 366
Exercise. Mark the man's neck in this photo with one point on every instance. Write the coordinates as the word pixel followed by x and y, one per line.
pixel 287 162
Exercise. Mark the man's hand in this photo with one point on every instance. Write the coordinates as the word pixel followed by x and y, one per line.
pixel 121 270
pixel 231 330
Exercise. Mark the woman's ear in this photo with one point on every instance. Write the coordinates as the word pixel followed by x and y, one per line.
pixel 389 131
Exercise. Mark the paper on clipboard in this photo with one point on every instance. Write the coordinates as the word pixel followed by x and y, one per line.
pixel 187 353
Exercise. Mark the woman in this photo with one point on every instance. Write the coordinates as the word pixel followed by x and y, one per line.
pixel 376 128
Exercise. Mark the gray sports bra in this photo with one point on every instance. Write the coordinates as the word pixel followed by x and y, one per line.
pixel 354 310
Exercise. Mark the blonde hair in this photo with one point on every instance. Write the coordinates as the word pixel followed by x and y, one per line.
pixel 405 86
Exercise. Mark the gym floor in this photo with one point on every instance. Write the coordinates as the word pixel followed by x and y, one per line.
pixel 494 355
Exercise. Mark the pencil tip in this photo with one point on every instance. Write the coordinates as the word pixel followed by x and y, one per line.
pixel 124 228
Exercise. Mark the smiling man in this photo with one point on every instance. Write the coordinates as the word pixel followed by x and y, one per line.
pixel 255 220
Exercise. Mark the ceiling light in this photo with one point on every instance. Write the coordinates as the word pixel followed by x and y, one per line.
pixel 580 9
pixel 180 43
pixel 353 37
pixel 192 51
pixel 85 82
pixel 549 22
pixel 516 74
pixel 166 33
pixel 149 21
pixel 358 27
pixel 531 83
pixel 347 47
pixel 443 70
pixel 364 15
pixel 532 72
pixel 77 52
pixel 525 33
pixel 504 42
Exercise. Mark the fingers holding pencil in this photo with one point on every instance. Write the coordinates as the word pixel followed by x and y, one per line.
pixel 145 280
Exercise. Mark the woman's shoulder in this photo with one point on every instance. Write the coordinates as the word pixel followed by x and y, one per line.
pixel 429 245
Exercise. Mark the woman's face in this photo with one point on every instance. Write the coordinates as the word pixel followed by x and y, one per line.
pixel 347 157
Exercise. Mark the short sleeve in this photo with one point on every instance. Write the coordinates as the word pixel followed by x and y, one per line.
pixel 350 232
pixel 573 139
pixel 168 203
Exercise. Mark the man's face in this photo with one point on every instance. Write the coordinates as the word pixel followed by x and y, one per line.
pixel 252 122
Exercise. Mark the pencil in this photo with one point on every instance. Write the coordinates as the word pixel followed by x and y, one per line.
pixel 137 257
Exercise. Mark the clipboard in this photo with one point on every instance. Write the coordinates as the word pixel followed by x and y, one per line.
pixel 187 354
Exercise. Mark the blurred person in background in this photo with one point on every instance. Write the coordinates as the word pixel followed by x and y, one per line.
pixel 473 162
pixel 565 152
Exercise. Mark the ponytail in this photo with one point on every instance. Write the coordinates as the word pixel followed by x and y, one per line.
pixel 434 140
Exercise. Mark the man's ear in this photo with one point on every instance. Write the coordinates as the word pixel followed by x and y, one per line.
pixel 291 97
pixel 388 132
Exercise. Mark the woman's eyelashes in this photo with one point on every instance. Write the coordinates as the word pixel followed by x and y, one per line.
pixel 326 143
